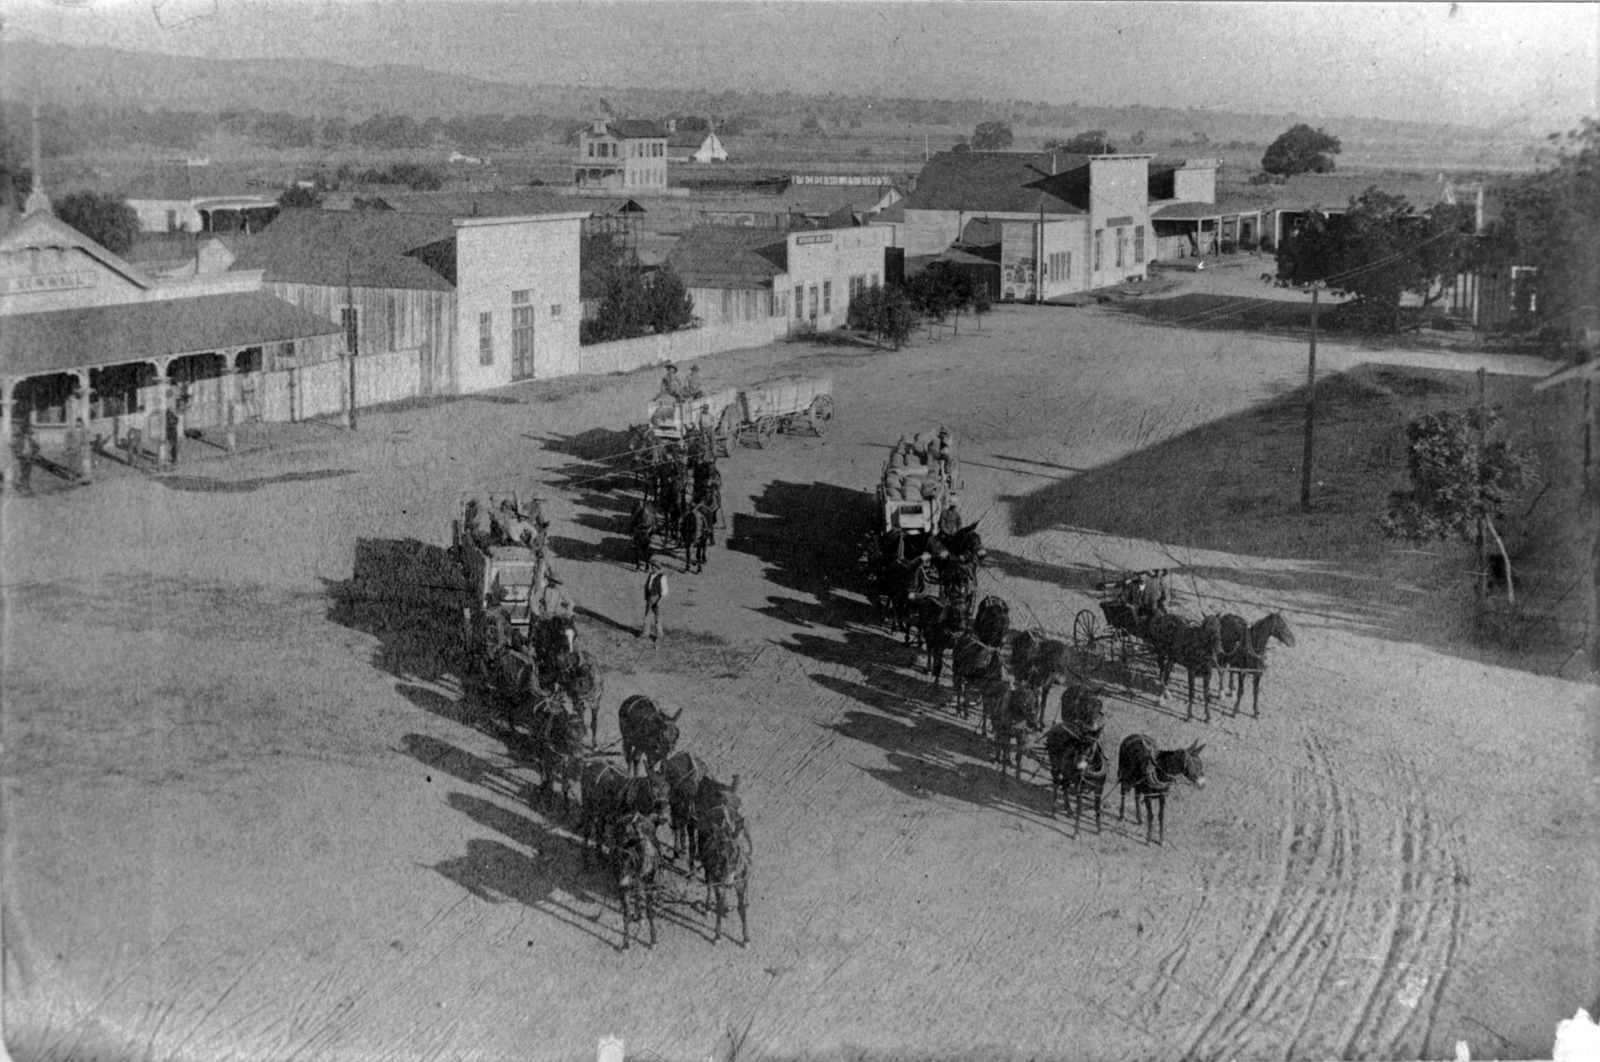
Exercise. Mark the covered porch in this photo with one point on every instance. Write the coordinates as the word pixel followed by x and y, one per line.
pixel 1194 230
pixel 107 375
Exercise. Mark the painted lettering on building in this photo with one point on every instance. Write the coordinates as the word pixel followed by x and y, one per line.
pixel 825 237
pixel 38 282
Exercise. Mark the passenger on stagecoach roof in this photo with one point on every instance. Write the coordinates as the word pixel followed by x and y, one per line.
pixel 692 388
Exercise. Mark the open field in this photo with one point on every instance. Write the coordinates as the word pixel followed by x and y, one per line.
pixel 251 812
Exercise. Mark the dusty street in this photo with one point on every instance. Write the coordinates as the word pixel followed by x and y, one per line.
pixel 250 813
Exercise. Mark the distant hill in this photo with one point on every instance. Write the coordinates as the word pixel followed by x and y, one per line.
pixel 67 76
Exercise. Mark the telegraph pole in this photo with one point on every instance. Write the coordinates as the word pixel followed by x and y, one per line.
pixel 1311 406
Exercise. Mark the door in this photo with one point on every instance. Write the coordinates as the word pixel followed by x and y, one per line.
pixel 521 342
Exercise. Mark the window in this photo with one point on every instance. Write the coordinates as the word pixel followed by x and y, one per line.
pixel 1138 243
pixel 284 358
pixel 172 221
pixel 591 149
pixel 727 304
pixel 555 309
pixel 799 301
pixel 1121 243
pixel 391 315
pixel 350 317
pixel 827 296
pixel 1098 233
pixel 813 302
pixel 521 336
pixel 1061 265
pixel 486 338
pixel 874 280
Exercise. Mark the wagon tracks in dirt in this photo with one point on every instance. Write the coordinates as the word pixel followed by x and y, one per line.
pixel 1363 919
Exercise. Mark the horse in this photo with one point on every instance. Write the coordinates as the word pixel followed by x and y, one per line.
pixel 557 742
pixel 635 863
pixel 1244 648
pixel 725 853
pixel 1012 709
pixel 694 529
pixel 993 621
pixel 673 485
pixel 643 524
pixel 648 733
pixel 937 622
pixel 1077 769
pixel 1150 774
pixel 553 637
pixel 896 577
pixel 603 785
pixel 965 544
pixel 976 664
pixel 1194 645
pixel 579 678
pixel 1082 710
pixel 708 493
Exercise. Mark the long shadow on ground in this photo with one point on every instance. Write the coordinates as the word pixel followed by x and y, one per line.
pixel 1233 487
pixel 409 595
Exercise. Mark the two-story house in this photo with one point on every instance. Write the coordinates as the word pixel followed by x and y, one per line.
pixel 621 155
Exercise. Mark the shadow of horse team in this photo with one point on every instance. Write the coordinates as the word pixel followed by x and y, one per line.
pixel 1008 676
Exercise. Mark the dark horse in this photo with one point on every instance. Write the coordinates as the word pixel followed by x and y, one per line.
pixel 725 853
pixel 1011 710
pixel 1244 649
pixel 937 622
pixel 643 524
pixel 557 744
pixel 993 621
pixel 1150 775
pixel 578 677
pixel 896 578
pixel 974 664
pixel 1041 664
pixel 648 733
pixel 1077 768
pixel 694 530
pixel 1196 646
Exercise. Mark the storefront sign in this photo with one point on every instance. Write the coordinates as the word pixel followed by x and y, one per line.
pixel 46 282
pixel 825 237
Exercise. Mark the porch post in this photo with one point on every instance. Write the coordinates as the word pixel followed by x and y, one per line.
pixel 7 386
pixel 230 398
pixel 163 385
pixel 81 415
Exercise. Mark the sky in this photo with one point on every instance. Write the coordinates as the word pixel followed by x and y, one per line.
pixel 1478 64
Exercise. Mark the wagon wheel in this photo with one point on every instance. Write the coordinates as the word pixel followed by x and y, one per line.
pixel 822 414
pixel 765 429
pixel 1086 630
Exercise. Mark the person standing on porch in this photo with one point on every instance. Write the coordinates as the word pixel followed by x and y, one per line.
pixel 173 434
pixel 26 450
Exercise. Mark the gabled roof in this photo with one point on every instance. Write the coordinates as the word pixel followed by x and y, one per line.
pixel 364 248
pixel 634 129
pixel 44 230
pixel 1003 182
pixel 690 139
pixel 107 335
pixel 894 212
pixel 712 256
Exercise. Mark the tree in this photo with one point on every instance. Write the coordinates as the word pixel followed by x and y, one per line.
pixel 992 136
pixel 296 196
pixel 960 147
pixel 1550 221
pixel 105 219
pixel 1378 250
pixel 1093 142
pixel 943 290
pixel 1301 150
pixel 1461 482
pixel 885 312
pixel 668 305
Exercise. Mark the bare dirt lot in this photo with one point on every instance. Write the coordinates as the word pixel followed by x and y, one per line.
pixel 249 811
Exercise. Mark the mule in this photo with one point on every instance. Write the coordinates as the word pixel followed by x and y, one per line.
pixel 552 637
pixel 1244 649
pixel 643 524
pixel 602 789
pixel 1082 710
pixel 1012 710
pixel 974 664
pixel 1149 775
pixel 557 743
pixel 636 861
pixel 579 678
pixel 938 622
pixel 725 855
pixel 694 529
pixel 1078 770
pixel 1196 646
pixel 1041 664
pixel 992 623
pixel 897 578
pixel 684 772
pixel 648 733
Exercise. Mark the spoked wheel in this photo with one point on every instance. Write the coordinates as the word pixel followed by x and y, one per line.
pixel 822 414
pixel 766 428
pixel 1086 631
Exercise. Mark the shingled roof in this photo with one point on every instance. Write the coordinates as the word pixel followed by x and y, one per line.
pixel 364 248
pixel 1003 182
pixel 711 256
pixel 634 129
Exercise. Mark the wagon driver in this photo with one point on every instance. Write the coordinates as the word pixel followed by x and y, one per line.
pixel 692 388
pixel 671 386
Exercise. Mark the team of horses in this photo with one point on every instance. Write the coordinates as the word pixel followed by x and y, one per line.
pixel 680 501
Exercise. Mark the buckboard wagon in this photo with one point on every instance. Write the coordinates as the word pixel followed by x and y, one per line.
pixel 750 416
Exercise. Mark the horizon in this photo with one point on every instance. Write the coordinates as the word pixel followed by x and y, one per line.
pixel 1477 65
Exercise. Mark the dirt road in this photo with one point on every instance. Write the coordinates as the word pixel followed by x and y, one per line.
pixel 250 812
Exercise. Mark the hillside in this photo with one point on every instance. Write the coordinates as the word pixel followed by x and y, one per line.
pixel 63 76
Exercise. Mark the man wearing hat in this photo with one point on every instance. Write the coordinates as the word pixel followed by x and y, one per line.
pixel 671 386
pixel 692 388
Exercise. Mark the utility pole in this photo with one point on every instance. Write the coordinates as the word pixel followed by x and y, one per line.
pixel 1477 461
pixel 1311 406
